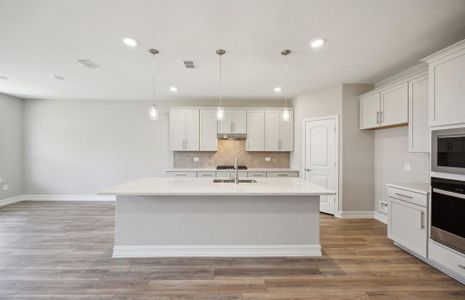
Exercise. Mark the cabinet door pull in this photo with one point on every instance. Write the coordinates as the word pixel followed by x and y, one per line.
pixel 462 266
pixel 422 215
pixel 377 117
pixel 381 117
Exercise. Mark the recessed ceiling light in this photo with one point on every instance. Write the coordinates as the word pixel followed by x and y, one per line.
pixel 317 43
pixel 3 77
pixel 130 42
pixel 57 77
pixel 278 89
pixel 173 89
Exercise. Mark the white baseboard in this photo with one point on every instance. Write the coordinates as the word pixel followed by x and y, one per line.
pixel 356 214
pixel 67 198
pixel 217 251
pixel 11 200
pixel 381 217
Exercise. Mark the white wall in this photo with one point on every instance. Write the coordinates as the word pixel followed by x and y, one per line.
pixel 11 145
pixel 391 153
pixel 81 147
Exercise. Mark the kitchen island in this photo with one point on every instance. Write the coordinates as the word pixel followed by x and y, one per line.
pixel 186 217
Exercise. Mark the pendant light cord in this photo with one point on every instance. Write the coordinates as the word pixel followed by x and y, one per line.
pixel 153 79
pixel 220 83
pixel 285 81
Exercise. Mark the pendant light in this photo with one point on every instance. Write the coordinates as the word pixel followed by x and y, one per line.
pixel 286 110
pixel 220 108
pixel 153 109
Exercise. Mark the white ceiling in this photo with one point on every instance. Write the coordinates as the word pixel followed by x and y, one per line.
pixel 366 41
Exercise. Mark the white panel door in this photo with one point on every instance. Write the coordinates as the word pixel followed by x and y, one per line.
pixel 320 158
pixel 369 111
pixel 287 133
pixel 225 126
pixel 272 130
pixel 208 130
pixel 239 122
pixel 394 105
pixel 255 130
pixel 192 128
pixel 418 125
pixel 177 130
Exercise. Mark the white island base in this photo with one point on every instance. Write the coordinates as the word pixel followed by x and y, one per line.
pixel 245 222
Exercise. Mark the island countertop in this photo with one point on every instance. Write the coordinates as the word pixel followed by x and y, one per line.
pixel 166 186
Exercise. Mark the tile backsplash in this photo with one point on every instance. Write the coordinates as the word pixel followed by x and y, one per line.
pixel 225 155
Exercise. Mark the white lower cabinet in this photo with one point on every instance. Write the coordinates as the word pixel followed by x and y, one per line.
pixel 407 222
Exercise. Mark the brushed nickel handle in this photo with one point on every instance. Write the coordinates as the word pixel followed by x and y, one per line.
pixel 462 266
pixel 402 195
pixel 377 117
pixel 422 221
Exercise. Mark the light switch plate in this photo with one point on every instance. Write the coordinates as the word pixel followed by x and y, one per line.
pixel 196 158
pixel 267 158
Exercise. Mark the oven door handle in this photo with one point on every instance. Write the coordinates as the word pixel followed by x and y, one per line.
pixel 447 193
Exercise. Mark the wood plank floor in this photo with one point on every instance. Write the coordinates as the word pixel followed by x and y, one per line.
pixel 62 250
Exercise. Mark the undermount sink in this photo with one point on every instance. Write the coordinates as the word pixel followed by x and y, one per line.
pixel 233 181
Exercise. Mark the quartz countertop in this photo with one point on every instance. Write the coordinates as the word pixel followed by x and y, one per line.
pixel 213 169
pixel 193 186
pixel 421 187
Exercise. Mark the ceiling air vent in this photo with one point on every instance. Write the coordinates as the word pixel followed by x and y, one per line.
pixel 88 63
pixel 189 64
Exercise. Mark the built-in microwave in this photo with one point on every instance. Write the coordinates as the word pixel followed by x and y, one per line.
pixel 448 151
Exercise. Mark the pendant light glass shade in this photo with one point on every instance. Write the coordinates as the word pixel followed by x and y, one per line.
pixel 286 114
pixel 220 113
pixel 153 113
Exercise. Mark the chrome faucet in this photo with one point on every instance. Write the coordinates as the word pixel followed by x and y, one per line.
pixel 236 169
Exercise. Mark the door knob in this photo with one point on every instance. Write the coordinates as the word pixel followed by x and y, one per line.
pixel 308 170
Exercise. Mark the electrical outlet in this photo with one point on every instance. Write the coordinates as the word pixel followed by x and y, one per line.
pixel 267 158
pixel 5 187
pixel 383 206
pixel 407 167
pixel 196 158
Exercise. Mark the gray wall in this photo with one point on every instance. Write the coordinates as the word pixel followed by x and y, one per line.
pixel 391 153
pixel 11 145
pixel 81 147
pixel 356 146
pixel 357 153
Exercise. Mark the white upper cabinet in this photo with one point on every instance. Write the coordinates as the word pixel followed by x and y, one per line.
pixel 447 86
pixel 184 130
pixel 369 111
pixel 255 130
pixel 394 105
pixel 234 122
pixel 418 127
pixel 279 134
pixel 208 130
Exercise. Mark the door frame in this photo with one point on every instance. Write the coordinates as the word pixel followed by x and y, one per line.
pixel 304 155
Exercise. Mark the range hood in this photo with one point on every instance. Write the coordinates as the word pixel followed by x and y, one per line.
pixel 232 136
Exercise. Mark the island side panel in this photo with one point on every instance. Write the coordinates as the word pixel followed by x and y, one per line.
pixel 217 226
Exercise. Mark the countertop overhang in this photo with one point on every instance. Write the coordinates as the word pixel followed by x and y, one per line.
pixel 173 186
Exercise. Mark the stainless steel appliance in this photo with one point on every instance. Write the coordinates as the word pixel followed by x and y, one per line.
pixel 448 151
pixel 448 213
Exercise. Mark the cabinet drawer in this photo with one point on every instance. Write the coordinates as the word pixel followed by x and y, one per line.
pixel 230 174
pixel 180 174
pixel 282 174
pixel 206 174
pixel 450 259
pixel 408 196
pixel 256 174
